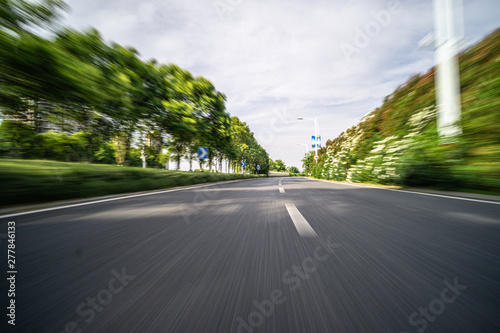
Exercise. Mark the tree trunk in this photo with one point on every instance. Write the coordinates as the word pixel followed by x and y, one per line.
pixel 121 144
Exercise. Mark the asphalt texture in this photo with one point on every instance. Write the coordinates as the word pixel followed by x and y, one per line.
pixel 245 256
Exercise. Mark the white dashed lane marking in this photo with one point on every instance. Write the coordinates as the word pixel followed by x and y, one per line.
pixel 303 227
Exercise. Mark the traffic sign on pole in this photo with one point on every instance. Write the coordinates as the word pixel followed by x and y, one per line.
pixel 313 141
pixel 258 167
pixel 316 157
pixel 242 164
pixel 202 152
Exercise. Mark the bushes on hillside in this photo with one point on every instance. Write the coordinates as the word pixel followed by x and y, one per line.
pixel 398 142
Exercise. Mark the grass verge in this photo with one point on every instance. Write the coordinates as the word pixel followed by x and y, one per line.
pixel 436 188
pixel 36 181
pixel 300 174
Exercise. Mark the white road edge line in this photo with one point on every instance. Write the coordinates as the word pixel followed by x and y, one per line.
pixel 303 227
pixel 411 192
pixel 113 199
pixel 282 190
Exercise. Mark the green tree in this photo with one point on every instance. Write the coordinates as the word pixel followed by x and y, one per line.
pixel 17 139
pixel 308 162
pixel 18 15
pixel 105 94
pixel 280 166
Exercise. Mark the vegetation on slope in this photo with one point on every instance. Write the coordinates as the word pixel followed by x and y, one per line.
pixel 397 143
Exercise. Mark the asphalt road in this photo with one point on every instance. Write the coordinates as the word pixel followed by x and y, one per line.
pixel 246 256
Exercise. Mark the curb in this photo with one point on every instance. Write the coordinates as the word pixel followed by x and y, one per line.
pixel 55 205
pixel 458 195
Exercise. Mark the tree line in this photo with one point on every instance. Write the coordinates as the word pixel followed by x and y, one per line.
pixel 104 98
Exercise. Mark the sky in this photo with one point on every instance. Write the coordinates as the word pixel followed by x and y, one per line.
pixel 276 60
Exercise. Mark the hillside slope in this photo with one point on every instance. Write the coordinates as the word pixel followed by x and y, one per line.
pixel 397 142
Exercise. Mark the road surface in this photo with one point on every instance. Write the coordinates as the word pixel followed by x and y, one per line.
pixel 265 255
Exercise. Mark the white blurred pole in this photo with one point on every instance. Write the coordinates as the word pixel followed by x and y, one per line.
pixel 448 18
pixel 143 151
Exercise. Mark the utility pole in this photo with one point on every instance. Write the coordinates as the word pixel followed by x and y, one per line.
pixel 448 24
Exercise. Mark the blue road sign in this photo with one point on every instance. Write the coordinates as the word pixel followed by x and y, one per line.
pixel 258 167
pixel 242 164
pixel 318 141
pixel 202 152
pixel 313 141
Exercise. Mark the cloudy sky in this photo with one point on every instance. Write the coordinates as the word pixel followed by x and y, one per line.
pixel 276 60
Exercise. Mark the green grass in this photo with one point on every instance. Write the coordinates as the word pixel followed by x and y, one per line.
pixel 35 181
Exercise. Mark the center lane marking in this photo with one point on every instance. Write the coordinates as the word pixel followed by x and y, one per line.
pixel 303 227
pixel 282 190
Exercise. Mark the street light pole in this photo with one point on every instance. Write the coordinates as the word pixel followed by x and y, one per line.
pixel 448 21
pixel 448 94
pixel 316 132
